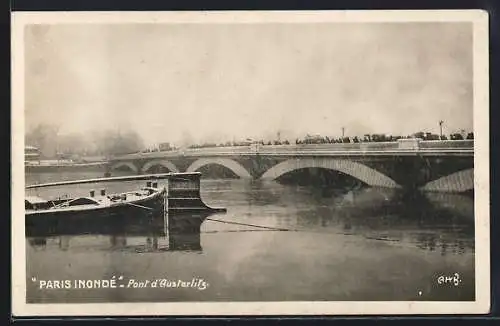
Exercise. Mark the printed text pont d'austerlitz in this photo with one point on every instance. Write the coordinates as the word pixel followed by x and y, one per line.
pixel 119 282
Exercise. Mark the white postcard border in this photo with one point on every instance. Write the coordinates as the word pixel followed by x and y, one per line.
pixel 478 18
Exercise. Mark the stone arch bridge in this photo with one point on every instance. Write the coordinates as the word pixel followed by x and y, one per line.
pixel 445 166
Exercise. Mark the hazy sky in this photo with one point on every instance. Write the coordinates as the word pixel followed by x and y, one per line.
pixel 217 82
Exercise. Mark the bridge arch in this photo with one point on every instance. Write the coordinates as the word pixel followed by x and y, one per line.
pixel 354 169
pixel 129 165
pixel 232 165
pixel 456 182
pixel 165 163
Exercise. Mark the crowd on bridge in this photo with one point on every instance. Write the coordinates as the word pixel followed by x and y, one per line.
pixel 318 139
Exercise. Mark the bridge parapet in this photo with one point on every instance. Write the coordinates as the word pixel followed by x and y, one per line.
pixel 447 144
pixel 379 146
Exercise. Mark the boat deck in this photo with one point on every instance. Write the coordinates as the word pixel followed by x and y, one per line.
pixel 36 205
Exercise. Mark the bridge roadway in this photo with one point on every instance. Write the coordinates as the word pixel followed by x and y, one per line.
pixel 430 165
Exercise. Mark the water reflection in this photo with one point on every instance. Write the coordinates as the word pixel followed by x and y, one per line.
pixel 423 220
pixel 175 232
pixel 456 204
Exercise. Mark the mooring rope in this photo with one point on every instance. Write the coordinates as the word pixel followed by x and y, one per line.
pixel 252 225
pixel 269 228
pixel 140 206
pixel 236 231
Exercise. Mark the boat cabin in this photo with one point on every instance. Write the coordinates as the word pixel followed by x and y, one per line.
pixel 33 202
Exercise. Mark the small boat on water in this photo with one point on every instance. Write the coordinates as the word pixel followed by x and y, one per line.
pixel 181 194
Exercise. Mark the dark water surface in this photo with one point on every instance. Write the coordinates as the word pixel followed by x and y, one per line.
pixel 365 244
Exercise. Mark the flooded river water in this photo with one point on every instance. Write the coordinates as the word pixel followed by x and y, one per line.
pixel 292 243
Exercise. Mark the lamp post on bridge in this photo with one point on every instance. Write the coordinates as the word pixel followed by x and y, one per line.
pixel 441 129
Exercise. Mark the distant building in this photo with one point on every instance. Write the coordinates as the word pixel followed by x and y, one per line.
pixel 31 154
